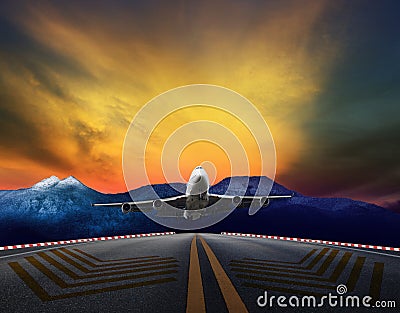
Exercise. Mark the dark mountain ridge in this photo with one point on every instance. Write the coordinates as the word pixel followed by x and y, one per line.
pixel 55 209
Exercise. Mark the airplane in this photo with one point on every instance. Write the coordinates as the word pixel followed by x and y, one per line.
pixel 196 199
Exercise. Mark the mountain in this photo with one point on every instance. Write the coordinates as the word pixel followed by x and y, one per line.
pixel 55 209
pixel 238 184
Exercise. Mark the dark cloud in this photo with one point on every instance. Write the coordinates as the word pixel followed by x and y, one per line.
pixel 365 165
pixel 86 136
pixel 20 135
pixel 22 119
pixel 22 53
pixel 354 135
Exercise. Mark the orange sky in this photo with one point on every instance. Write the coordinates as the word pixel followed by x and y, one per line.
pixel 123 62
pixel 74 74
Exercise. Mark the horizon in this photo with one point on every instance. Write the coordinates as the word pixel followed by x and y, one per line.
pixel 392 209
pixel 166 183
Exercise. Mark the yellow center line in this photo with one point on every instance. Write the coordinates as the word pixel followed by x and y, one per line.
pixel 195 297
pixel 232 299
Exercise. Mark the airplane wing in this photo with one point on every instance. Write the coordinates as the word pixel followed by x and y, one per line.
pixel 245 201
pixel 253 203
pixel 217 204
pixel 146 205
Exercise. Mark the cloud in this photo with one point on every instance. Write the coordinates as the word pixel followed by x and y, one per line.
pixel 86 136
pixel 322 74
pixel 22 136
pixel 85 72
pixel 354 129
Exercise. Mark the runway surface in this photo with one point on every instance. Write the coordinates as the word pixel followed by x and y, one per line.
pixel 194 273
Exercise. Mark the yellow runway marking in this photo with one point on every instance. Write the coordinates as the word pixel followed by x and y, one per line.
pixel 266 264
pixel 116 260
pixel 107 269
pixel 62 284
pixel 305 258
pixel 44 296
pixel 86 261
pixel 195 297
pixel 76 276
pixel 376 280
pixel 232 299
pixel 143 268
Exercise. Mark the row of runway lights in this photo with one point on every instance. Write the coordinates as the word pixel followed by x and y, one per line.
pixel 52 243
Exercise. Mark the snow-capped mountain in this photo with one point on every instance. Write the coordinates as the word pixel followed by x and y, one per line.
pixel 70 182
pixel 46 183
pixel 55 209
pixel 54 181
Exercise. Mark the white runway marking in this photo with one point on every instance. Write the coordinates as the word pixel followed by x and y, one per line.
pixel 49 248
pixel 355 249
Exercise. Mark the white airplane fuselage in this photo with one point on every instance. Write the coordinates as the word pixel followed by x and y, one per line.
pixel 197 189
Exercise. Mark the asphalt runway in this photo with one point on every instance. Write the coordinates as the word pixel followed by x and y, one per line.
pixel 196 273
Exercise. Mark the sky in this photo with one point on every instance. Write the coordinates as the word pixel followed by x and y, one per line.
pixel 325 75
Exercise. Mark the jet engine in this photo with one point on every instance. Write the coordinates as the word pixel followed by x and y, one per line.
pixel 126 208
pixel 236 200
pixel 157 204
